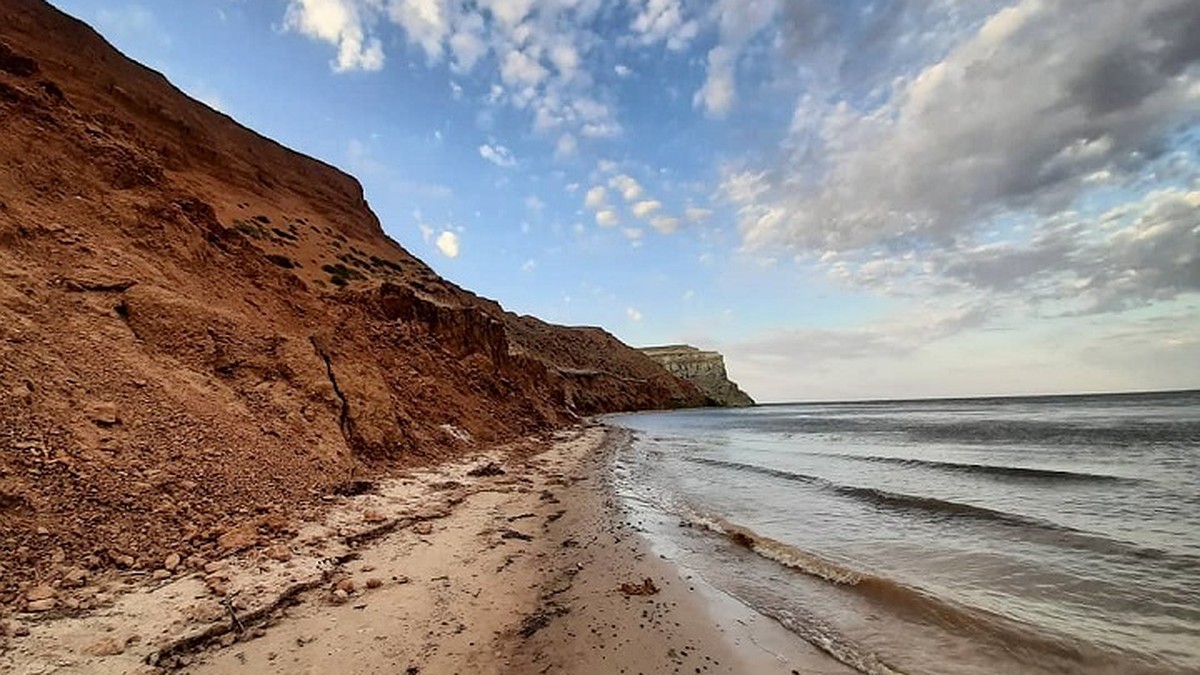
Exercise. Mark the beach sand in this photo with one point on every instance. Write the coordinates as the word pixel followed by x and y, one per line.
pixel 439 571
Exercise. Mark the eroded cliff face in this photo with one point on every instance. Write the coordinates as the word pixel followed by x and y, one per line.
pixel 201 330
pixel 704 369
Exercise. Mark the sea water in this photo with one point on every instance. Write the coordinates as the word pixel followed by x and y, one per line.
pixel 999 535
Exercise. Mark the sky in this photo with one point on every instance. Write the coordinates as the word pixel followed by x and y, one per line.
pixel 850 199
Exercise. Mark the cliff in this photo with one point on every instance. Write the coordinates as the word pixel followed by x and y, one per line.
pixel 201 330
pixel 704 369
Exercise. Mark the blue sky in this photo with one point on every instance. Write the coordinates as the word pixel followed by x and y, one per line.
pixel 849 199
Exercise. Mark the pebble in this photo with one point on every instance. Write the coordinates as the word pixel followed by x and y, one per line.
pixel 42 605
pixel 172 562
pixel 278 552
pixel 42 592
pixel 76 576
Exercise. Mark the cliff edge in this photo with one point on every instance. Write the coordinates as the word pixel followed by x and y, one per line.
pixel 705 369
pixel 202 331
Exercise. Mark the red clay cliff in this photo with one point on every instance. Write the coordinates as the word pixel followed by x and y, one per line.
pixel 201 330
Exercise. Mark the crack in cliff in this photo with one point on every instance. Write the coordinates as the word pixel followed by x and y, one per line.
pixel 344 422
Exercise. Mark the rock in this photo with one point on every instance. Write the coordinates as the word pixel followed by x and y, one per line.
pixel 424 527
pixel 76 576
pixel 160 574
pixel 106 647
pixel 647 587
pixel 338 597
pixel 373 516
pixel 239 538
pixel 172 562
pixel 206 611
pixel 374 582
pixel 42 592
pixel 20 631
pixel 123 561
pixel 484 470
pixel 105 414
pixel 228 639
pixel 217 585
pixel 42 605
pixel 278 552
pixel 346 585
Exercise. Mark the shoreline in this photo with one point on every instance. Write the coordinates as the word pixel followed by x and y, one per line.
pixel 527 568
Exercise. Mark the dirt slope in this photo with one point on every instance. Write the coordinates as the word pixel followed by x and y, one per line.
pixel 201 331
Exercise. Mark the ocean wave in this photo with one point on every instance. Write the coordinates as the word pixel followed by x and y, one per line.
pixel 898 598
pixel 1019 472
pixel 1033 529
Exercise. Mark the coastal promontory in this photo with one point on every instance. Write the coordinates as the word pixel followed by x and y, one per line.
pixel 705 369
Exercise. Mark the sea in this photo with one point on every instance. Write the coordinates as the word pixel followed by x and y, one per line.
pixel 1053 534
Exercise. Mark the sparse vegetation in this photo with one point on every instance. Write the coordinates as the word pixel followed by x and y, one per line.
pixel 377 262
pixel 250 229
pixel 283 261
pixel 340 275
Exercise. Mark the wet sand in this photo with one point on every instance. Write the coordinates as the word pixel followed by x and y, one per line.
pixel 437 572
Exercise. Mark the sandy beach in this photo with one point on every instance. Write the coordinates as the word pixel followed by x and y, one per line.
pixel 516 561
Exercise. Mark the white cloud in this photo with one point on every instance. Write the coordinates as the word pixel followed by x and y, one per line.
pixel 1114 82
pixel 534 204
pixel 596 197
pixel 622 71
pixel 607 218
pixel 628 186
pixel 540 46
pixel 508 12
pixel 468 44
pixel 529 266
pixel 521 69
pixel 665 224
pixel 717 94
pixel 340 23
pixel 426 232
pixel 645 208
pixel 633 314
pixel 447 243
pixel 632 233
pixel 497 154
pixel 566 146
pixel 738 23
pixel 565 59
pixel 697 215
pixel 664 21
pixel 427 23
